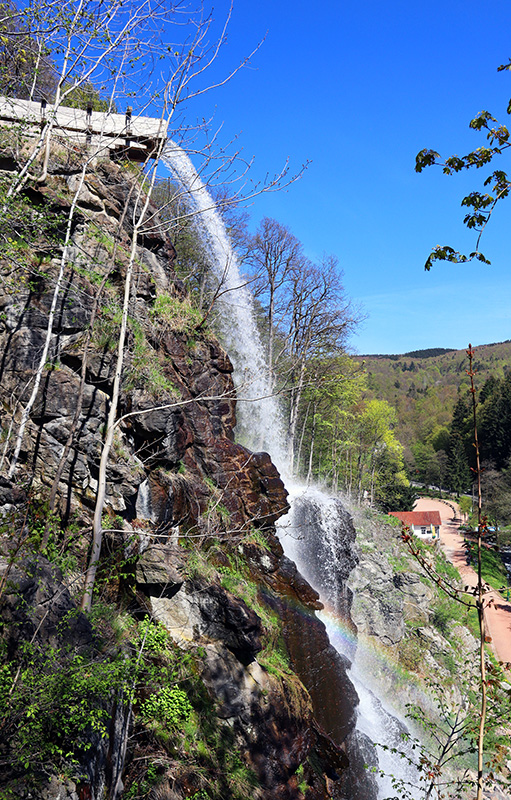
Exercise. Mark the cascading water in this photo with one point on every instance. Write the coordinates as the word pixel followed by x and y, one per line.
pixel 320 539
pixel 318 533
pixel 237 322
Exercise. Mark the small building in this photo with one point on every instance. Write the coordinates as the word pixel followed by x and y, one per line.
pixel 424 524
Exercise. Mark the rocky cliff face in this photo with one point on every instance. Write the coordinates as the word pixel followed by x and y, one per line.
pixel 223 702
pixel 407 628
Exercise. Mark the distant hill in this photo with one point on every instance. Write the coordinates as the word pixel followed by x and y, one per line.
pixel 423 384
pixel 433 351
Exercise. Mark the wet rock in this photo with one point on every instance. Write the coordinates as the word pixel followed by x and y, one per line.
pixel 229 620
pixel 325 544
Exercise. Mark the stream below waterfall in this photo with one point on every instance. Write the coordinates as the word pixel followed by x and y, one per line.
pixel 314 532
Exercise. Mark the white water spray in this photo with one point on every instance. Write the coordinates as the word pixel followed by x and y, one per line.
pixel 320 539
pixel 263 418
pixel 258 406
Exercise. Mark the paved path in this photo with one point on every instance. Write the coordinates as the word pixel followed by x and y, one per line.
pixel 498 615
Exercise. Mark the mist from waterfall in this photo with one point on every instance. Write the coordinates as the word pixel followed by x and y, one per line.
pixel 318 535
pixel 321 563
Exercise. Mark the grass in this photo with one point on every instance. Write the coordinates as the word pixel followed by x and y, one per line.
pixel 176 314
pixel 446 569
pixel 493 570
pixel 411 653
pixel 446 612
pixel 400 563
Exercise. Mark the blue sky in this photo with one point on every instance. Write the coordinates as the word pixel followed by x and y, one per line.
pixel 358 89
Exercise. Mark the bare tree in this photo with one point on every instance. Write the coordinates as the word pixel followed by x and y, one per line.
pixel 88 41
pixel 319 320
pixel 306 313
pixel 178 87
pixel 275 256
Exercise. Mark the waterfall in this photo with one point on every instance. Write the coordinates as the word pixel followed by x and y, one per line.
pixel 258 408
pixel 318 533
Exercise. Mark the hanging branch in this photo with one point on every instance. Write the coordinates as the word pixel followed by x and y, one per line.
pixel 479 590
pixel 481 530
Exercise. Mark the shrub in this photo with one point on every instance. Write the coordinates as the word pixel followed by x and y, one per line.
pixel 153 636
pixel 169 706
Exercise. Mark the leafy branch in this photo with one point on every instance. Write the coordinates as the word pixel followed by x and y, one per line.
pixel 481 204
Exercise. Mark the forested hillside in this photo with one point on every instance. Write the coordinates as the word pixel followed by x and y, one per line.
pixel 423 385
pixel 430 392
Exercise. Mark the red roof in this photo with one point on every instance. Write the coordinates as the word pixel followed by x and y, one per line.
pixel 418 518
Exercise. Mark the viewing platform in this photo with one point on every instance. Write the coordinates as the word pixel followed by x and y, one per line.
pixel 127 135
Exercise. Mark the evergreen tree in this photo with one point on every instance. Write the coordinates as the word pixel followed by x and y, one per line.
pixel 458 469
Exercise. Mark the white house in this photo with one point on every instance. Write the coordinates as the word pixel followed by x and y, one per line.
pixel 425 524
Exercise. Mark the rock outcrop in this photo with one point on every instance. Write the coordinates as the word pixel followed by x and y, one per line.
pixel 400 612
pixel 189 531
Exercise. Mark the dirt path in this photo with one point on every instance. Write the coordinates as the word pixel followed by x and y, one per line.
pixel 498 615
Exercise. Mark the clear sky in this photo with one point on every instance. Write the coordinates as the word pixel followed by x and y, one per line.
pixel 358 89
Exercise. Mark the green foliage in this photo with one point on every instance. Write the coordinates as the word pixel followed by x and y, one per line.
pixel 31 234
pixel 204 741
pixel 302 784
pixel 146 368
pixel 480 205
pixel 397 497
pixel 142 787
pixel 400 563
pixel 465 505
pixel 21 57
pixel 60 546
pixel 198 565
pixel 86 96
pixel 169 706
pixel 153 637
pixel 504 536
pixel 425 399
pixel 274 656
pixel 471 621
pixel 192 262
pixel 446 740
pixel 106 330
pixel 58 699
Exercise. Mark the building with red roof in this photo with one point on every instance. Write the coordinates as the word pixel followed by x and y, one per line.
pixel 425 524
